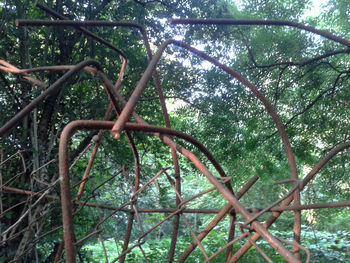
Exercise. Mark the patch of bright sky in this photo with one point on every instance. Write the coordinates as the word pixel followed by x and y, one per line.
pixel 314 9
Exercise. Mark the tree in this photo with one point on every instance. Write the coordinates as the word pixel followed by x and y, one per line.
pixel 304 76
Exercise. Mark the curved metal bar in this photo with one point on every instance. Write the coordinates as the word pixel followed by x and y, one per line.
pixel 131 141
pixel 328 35
pixel 130 106
pixel 168 141
pixel 220 215
pixel 85 31
pixel 66 198
pixel 286 202
pixel 48 92
pixel 156 78
pixel 239 22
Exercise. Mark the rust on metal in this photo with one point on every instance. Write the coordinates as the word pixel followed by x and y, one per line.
pixel 71 206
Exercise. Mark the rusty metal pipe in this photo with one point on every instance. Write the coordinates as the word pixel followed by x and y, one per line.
pixel 130 105
pixel 85 31
pixel 48 92
pixel 220 215
pixel 286 202
pixel 237 22
pixel 66 200
pixel 227 208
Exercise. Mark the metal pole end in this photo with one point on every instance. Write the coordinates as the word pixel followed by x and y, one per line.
pixel 116 135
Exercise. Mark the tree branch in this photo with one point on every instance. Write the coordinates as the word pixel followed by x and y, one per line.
pixel 309 106
pixel 151 1
pixel 301 63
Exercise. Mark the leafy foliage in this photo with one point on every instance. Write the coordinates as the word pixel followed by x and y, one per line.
pixel 305 77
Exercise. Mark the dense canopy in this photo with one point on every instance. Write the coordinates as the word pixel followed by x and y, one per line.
pixel 303 75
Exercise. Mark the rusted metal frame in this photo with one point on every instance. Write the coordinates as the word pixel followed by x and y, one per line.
pixel 92 23
pixel 297 215
pixel 129 249
pixel 98 230
pixel 119 208
pixel 65 189
pixel 285 203
pixel 173 151
pixel 137 166
pixel 139 120
pixel 273 204
pixel 198 195
pixel 85 203
pixel 134 153
pixel 117 85
pixel 35 81
pixel 174 211
pixel 12 69
pixel 12 179
pixel 277 245
pixel 170 210
pixel 11 207
pixel 261 252
pixel 88 236
pixel 127 235
pixel 227 245
pixel 307 252
pixel 198 242
pixel 130 105
pixel 238 22
pixel 150 181
pixel 115 95
pixel 124 62
pixel 115 210
pixel 103 247
pixel 143 253
pixel 136 187
pixel 12 156
pixel 138 219
pixel 312 206
pixel 23 215
pixel 85 31
pixel 162 130
pixel 92 157
pixel 216 220
pixel 279 126
pixel 27 227
pixel 50 68
pixel 157 81
pixel 231 236
pixel 65 199
pixel 232 199
pixel 167 122
pixel 48 92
